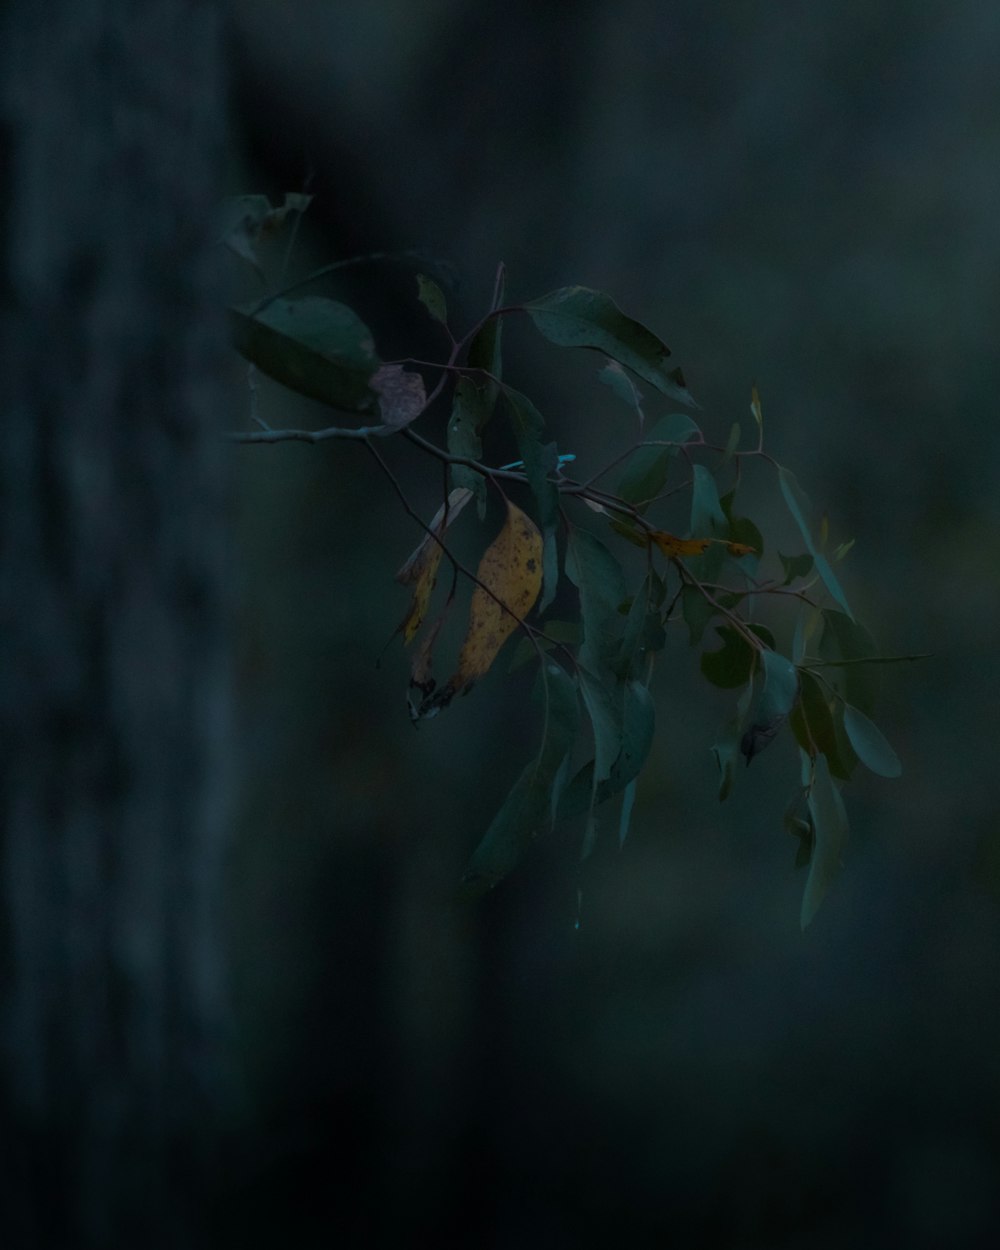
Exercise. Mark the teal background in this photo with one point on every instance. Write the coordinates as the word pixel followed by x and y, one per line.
pixel 802 197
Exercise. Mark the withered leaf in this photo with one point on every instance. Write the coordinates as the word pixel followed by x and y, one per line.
pixel 421 569
pixel 401 396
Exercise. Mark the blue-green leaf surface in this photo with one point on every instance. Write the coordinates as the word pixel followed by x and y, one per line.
pixel 576 316
pixel 829 821
pixel 870 744
pixel 800 507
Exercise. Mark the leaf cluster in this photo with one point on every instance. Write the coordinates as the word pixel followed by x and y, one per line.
pixel 561 570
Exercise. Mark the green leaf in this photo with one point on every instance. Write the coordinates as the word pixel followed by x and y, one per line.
pixel 614 375
pixel 868 741
pixel 727 749
pixel 637 738
pixel 528 807
pixel 598 576
pixel 647 467
pixel 781 686
pixel 843 638
pixel 829 822
pixel 576 316
pixel 697 612
pixel 469 413
pixel 795 566
pixel 732 442
pixel 432 298
pixel 814 724
pixel 800 507
pixel 733 663
pixel 604 704
pixel 628 803
pixel 312 345
pixel 540 461
pixel 755 408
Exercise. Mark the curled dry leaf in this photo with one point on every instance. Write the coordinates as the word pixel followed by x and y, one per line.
pixel 401 396
pixel 511 569
pixel 421 569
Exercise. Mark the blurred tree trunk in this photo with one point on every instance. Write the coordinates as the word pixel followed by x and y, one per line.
pixel 113 673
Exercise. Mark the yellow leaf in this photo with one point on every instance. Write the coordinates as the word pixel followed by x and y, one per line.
pixel 672 546
pixel 511 568
pixel 740 549
pixel 421 569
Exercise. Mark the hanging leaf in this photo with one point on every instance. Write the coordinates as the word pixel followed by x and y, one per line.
pixel 421 569
pixel 868 741
pixel 540 462
pixel 473 404
pixel 843 638
pixel 799 506
pixel 625 819
pixel 598 576
pixel 432 298
pixel 732 442
pixel 614 375
pixel 795 567
pixel 646 471
pixel 576 316
pixel 312 345
pixel 638 723
pixel 511 569
pixel 778 693
pixel 829 822
pixel 697 612
pixel 604 704
pixel 732 665
pixel 814 724
pixel 727 749
pixel 527 810
pixel 755 408
pixel 401 397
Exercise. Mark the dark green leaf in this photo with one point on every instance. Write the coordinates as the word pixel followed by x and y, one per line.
pixel 844 639
pixel 732 442
pixel 813 722
pixel 469 413
pixel 868 741
pixel 614 375
pixel 795 566
pixel 312 345
pixel 637 738
pixel 781 686
pixel 697 612
pixel 829 822
pixel 540 461
pixel 528 807
pixel 646 470
pixel 577 316
pixel 800 507
pixel 598 576
pixel 604 704
pixel 732 665
pixel 628 803
pixel 727 749
pixel 432 298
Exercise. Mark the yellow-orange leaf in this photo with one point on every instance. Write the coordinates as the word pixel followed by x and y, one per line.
pixel 671 545
pixel 421 569
pixel 511 568
pixel 740 549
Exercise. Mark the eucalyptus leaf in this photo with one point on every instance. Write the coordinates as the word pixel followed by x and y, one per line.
pixel 598 576
pixel 432 298
pixel 637 739
pixel 528 808
pixel 829 822
pixel 870 744
pixel 312 345
pixel 800 507
pixel 645 473
pixel 540 462
pixel 577 316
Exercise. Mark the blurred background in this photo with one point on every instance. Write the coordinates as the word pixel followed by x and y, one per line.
pixel 802 197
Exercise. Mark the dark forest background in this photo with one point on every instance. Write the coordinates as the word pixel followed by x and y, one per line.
pixel 240 1004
